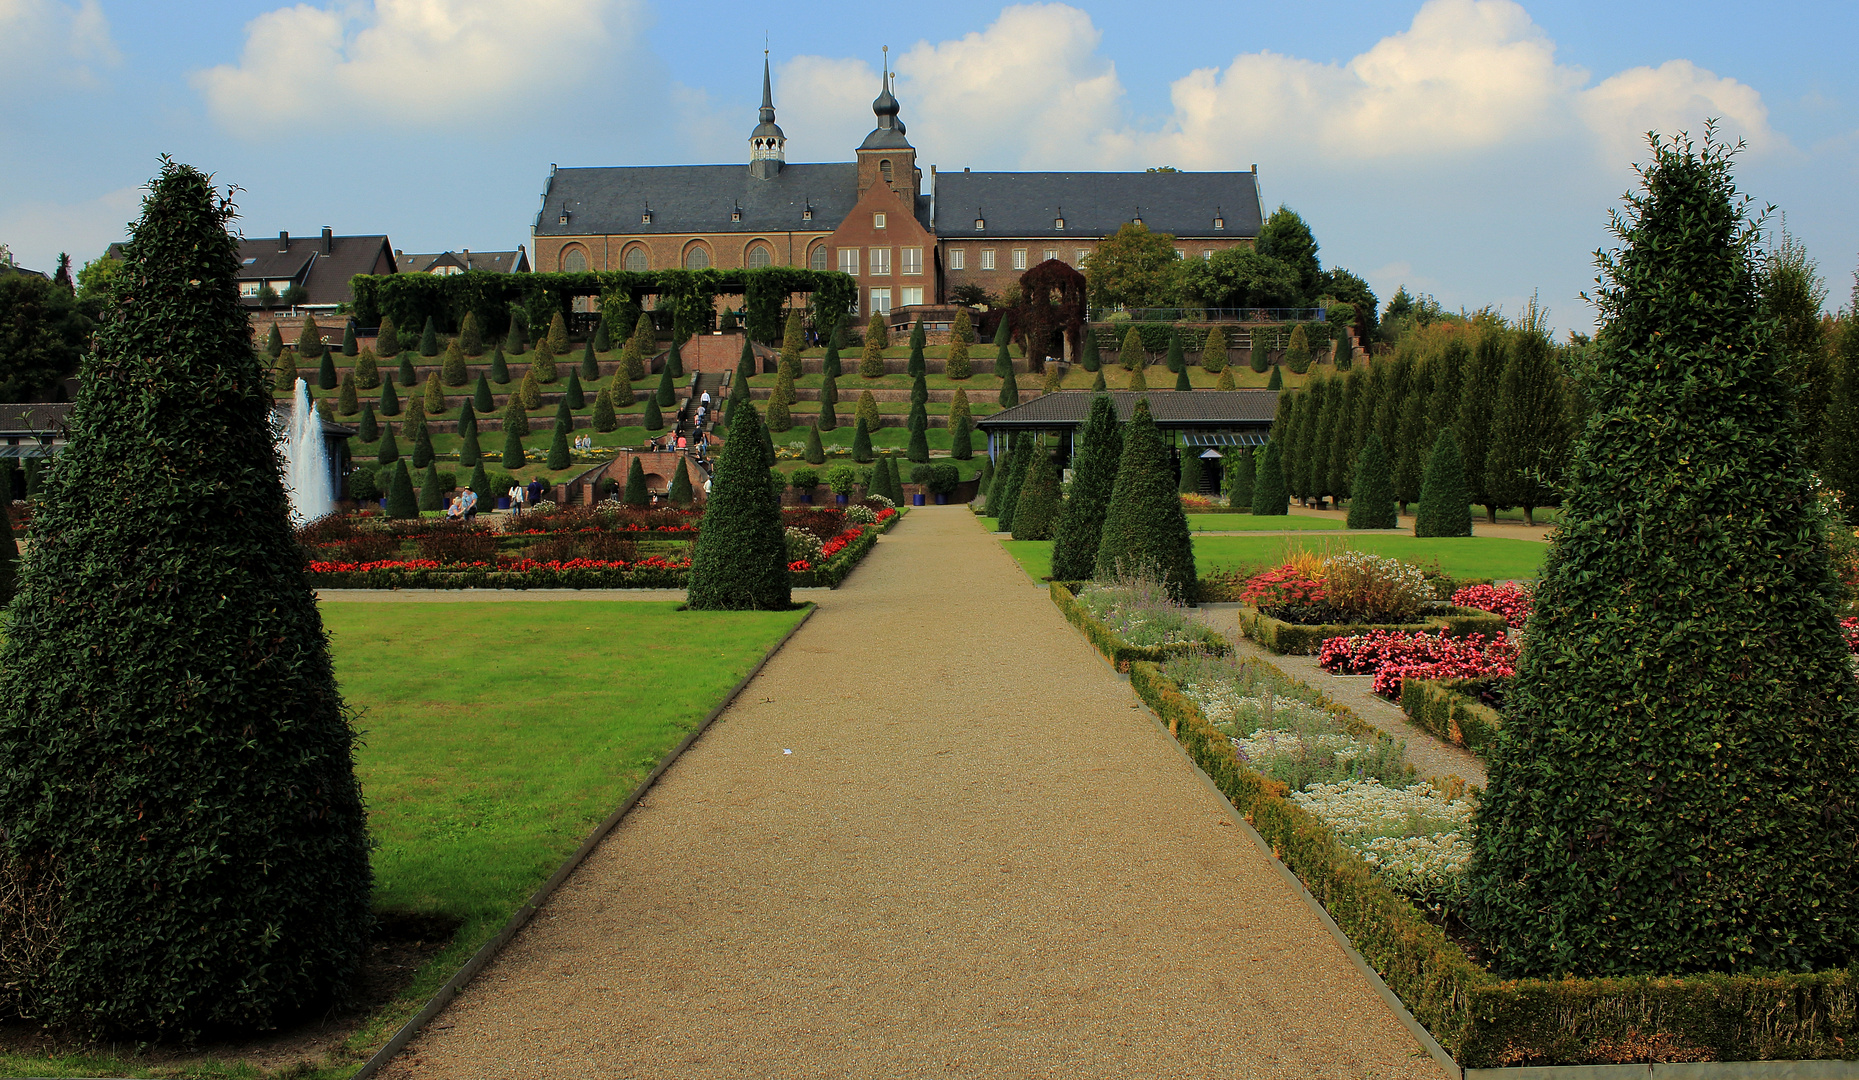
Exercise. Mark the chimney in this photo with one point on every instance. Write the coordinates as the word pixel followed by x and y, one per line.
pixel 327 238
pixel 467 252
pixel 283 241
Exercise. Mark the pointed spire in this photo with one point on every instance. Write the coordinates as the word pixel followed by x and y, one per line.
pixel 768 94
pixel 767 144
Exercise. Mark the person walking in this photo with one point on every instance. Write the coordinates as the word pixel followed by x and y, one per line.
pixel 516 500
pixel 535 491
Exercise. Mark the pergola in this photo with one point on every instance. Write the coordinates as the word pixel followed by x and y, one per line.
pixel 1210 420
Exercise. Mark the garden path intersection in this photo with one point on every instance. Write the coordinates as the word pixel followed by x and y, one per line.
pixel 990 863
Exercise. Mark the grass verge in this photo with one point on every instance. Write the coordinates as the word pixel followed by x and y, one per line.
pixel 1498 558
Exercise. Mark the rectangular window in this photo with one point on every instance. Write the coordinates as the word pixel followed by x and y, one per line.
pixel 848 261
pixel 1082 254
pixel 912 297
pixel 877 221
pixel 248 288
pixel 958 258
pixel 1019 258
pixel 1206 253
pixel 912 259
pixel 881 301
pixel 1049 255
pixel 880 262
pixel 1180 254
pixel 987 258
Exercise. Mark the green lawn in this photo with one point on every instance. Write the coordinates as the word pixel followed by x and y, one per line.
pixel 1462 557
pixel 495 736
pixel 1248 523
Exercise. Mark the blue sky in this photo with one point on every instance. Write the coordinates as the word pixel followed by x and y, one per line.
pixel 1467 148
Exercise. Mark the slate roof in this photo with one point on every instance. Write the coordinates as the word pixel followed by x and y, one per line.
pixel 1096 204
pixel 696 199
pixel 1169 408
pixel 506 262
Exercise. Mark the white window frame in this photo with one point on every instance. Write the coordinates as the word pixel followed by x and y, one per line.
pixel 880 262
pixel 1081 255
pixel 987 258
pixel 958 258
pixel 1207 254
pixel 877 221
pixel 1050 253
pixel 816 259
pixel 910 260
pixel 881 301
pixel 1180 254
pixel 848 261
pixel 249 289
pixel 911 296
pixel 1019 258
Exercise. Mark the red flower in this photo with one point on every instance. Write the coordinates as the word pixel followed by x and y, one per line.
pixel 1511 601
pixel 1392 656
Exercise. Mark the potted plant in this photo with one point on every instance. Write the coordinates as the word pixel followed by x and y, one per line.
pixel 842 479
pixel 803 480
pixel 938 479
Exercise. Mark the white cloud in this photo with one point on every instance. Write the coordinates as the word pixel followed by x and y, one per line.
pixel 403 62
pixel 71 39
pixel 1677 95
pixel 38 231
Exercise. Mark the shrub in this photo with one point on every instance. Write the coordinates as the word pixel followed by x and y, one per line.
pixel 861 443
pixel 919 444
pixel 481 399
pixel 1089 358
pixel 871 358
pixel 367 430
pixel 367 370
pixel 1145 531
pixel 1003 354
pixel 957 366
pixel 1261 355
pixel 179 798
pixel 680 493
pixel 1133 357
pixel 604 420
pixel 346 401
pixel 470 338
pixel 1297 353
pixel 516 341
pixel 1241 472
pixel 654 419
pixel 828 418
pixel 452 367
pixel 514 418
pixel 573 395
pixel 326 372
pixel 668 393
pixel 674 358
pixel 530 392
pixel 431 498
pixel 1371 500
pixel 802 546
pixel 841 479
pixel 512 448
pixel 815 452
pixel 1004 500
pixel 284 372
pixel 779 419
pixel 1079 528
pixel 274 343
pixel 1511 601
pixel 405 372
pixel 1277 381
pixel 558 335
pixel 1213 351
pixel 422 445
pixel 1365 588
pixel 1036 512
pixel 740 558
pixel 804 479
pixel 468 450
pixel 590 364
pixel 542 365
pixel 310 339
pixel 1445 506
pixel 1136 381
pixel 961 440
pixel 362 486
pixel 1270 497
pixel 429 339
pixel 558 445
pixel 435 395
pixel 1190 469
pixel 500 369
pixel 635 494
pixel 389 452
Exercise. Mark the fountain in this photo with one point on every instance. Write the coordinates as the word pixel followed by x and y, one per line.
pixel 306 462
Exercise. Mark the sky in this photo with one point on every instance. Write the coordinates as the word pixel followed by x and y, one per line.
pixel 1468 149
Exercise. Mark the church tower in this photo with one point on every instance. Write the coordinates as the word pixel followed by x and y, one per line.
pixel 886 157
pixel 767 145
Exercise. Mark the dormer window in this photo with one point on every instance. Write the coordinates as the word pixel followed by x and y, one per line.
pixel 1058 223
pixel 980 223
pixel 645 217
pixel 736 214
pixel 1219 222
pixel 806 213
pixel 563 220
pixel 877 221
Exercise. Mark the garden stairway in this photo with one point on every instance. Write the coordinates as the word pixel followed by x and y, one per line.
pixel 985 860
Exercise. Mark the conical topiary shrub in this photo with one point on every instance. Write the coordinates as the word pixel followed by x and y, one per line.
pixel 1007 488
pixel 590 364
pixel 367 371
pixel 1271 497
pixel 1445 504
pixel 429 339
pixel 916 367
pixel 389 451
pixel 1098 385
pixel 1089 358
pixel 481 399
pixel 861 443
pixel 1133 357
pixel 367 429
pixel 469 453
pixel 326 372
pixel 1226 380
pixel 1297 352
pixel 481 487
pixel 604 420
pixel 514 418
pixel 310 339
pixel 404 372
pixel 180 795
pixel 667 392
pixel 957 366
pixel 918 450
pixel 500 368
pixel 1677 785
pixel 470 337
pixel 558 335
pixel 602 341
pixel 1037 510
pixel 284 373
pixel 635 494
pixel 1080 526
pixel 574 395
pixel 1190 469
pixel 674 358
pixel 542 364
pixel 274 342
pixel 868 410
pixel 680 494
pixel 529 391
pixel 431 498
pixel 346 401
pixel 387 338
pixel 740 560
pixel 1145 531
pixel 422 445
pixel 513 456
pixel 1241 473
pixel 558 443
pixel 452 366
pixel 829 402
pixel 1371 490
pixel 1177 361
pixel 1277 381
pixel 871 358
pixel 1181 380
pixel 435 395
pixel 1261 351
pixel 961 439
pixel 815 452
pixel 401 502
pixel 985 480
pixel 516 340
pixel 1213 351
pixel 654 419
pixel 1137 382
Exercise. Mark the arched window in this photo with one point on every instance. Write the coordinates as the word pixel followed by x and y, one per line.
pixel 697 259
pixel 574 261
pixel 884 169
pixel 818 261
pixel 636 259
pixel 758 257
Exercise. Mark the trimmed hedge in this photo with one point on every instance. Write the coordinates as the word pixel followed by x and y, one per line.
pixel 1120 653
pixel 1438 708
pixel 1293 639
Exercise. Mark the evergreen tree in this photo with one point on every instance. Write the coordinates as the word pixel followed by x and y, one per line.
pixel 871 359
pixel 602 340
pixel 1529 427
pixel 1088 357
pixel 470 340
pixel 1079 529
pixel 400 500
pixel 986 479
pixel 1297 351
pixel 284 373
pixel 1839 464
pixel 681 494
pixel 274 343
pixel 516 342
pixel 1270 497
pixel 481 486
pixel 1007 488
pixel 604 420
pixel 1181 380
pixel 435 395
pixel 542 365
pixel 1294 446
pixel 9 548
pixel 590 364
pixel 780 418
pixel 1225 382
pixel 326 372
pixel 1668 796
pixel 668 391
pixel 368 430
pixel 1177 360
pixel 1054 379
pixel 512 448
pixel 960 336
pixel 1323 441
pixel 558 335
pixel 429 339
pixel 1037 512
pixel 861 443
pixel 1213 351
pixel 1371 492
pixel 1136 381
pixel 179 788
pixel 1445 505
pixel 481 395
pixel 500 368
pixel 452 365
pixel 793 341
pixel 1342 453
pixel 674 357
pixel 422 446
pixel 390 400
pixel 1098 385
pixel 829 401
pixel 346 402
pixel 1003 357
pixel 367 371
pixel 389 451
pixel 1190 470
pixel 558 446
pixel 574 395
pixel 961 439
pixel 406 374
pixel 469 452
pixel 1010 385
pixel 1259 354
pixel 1134 356
pixel 1478 396
pixel 815 453
pixel 642 346
pixel 1242 470
pixel 830 365
pixel 654 416
pixel 1409 466
pixel 530 392
pixel 1145 531
pixel 387 338
pixel 310 340
pixel 868 411
pixel 623 394
pixel 1277 381
pixel 917 340
pixel 740 559
pixel 431 498
pixel 514 418
pixel 997 485
pixel 1446 379
pixel 919 446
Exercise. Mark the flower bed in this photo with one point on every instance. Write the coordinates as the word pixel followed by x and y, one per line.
pixel 1446 710
pixel 1295 639
pixel 1391 656
pixel 1511 601
pixel 1121 652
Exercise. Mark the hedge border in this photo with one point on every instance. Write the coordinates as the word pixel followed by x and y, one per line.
pixel 1439 708
pixel 1294 639
pixel 1487 1023
pixel 1120 653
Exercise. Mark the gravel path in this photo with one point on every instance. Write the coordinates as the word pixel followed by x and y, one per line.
pixel 980 859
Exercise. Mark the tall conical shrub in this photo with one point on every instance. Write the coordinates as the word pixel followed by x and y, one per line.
pixel 429 339
pixel 602 341
pixel 861 443
pixel 680 493
pixel 431 498
pixel 1145 531
pixel 1445 506
pixel 575 397
pixel 389 451
pixel 1189 480
pixel 558 335
pixel 500 368
pixel 1241 475
pixel 1225 381
pixel 481 486
pixel 604 420
pixel 469 453
pixel 347 403
pixel 452 366
pixel 1003 353
pixel 405 372
pixel 1181 380
pixel 400 499
pixel 815 453
pixel 667 393
pixel 1098 385
pixel 387 338
pixel 916 366
pixel 542 364
pixel 918 450
pixel 470 337
pixel 367 370
pixel 1080 527
pixel 1134 357
pixel 512 448
pixel 868 410
pixel 1012 477
pixel 1037 510
pixel 326 372
pixel 985 481
pixel 274 343
pixel 1371 492
pixel 435 395
pixel 871 357
pixel 558 444
pixel 422 446
pixel 1277 381
pixel 368 429
pixel 1270 496
pixel 1137 382
pixel 1677 785
pixel 180 794
pixel 829 366
pixel 1089 357
pixel 829 402
pixel 740 559
pixel 961 439
pixel 481 396
pixel 1213 351
pixel 529 391
pixel 310 339
pixel 957 366
pixel 1176 360
pixel 514 418
pixel 590 364
pixel 674 358
pixel 1297 352
pixel 654 417
pixel 516 342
